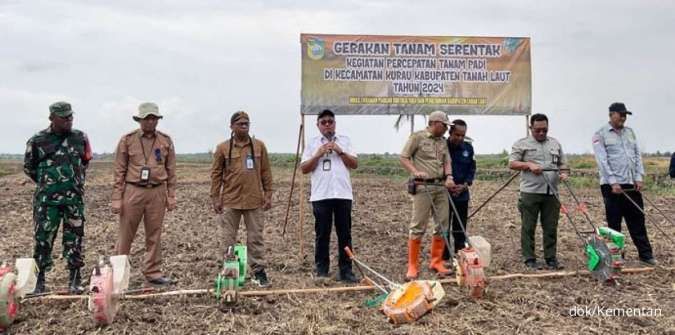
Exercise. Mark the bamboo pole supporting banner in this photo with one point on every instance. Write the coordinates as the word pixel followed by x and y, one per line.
pixel 295 170
pixel 301 219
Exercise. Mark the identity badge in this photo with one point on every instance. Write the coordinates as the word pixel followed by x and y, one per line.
pixel 145 175
pixel 326 164
pixel 555 160
pixel 249 162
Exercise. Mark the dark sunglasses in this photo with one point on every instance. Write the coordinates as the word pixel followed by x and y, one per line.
pixel 326 122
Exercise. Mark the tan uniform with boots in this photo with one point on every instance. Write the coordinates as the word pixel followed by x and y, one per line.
pixel 429 162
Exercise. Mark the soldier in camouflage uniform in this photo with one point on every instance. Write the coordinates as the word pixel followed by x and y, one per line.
pixel 56 160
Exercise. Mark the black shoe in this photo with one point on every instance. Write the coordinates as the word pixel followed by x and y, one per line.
pixel 160 281
pixel 260 278
pixel 531 264
pixel 321 274
pixel 74 282
pixel 648 261
pixel 552 264
pixel 348 277
pixel 40 284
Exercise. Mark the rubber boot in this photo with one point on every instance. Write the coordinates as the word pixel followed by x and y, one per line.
pixel 436 264
pixel 40 284
pixel 413 258
pixel 74 280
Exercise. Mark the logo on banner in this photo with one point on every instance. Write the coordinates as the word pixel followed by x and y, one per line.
pixel 511 44
pixel 315 48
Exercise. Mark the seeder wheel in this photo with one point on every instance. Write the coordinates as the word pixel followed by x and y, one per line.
pixel 476 292
pixel 229 298
pixel 9 308
pixel 102 303
pixel 226 288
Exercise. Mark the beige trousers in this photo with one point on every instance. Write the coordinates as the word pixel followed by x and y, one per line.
pixel 149 205
pixel 422 208
pixel 254 221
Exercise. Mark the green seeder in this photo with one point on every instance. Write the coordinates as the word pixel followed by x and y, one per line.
pixel 604 253
pixel 233 275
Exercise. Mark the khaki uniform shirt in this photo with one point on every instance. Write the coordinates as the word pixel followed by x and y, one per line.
pixel 159 156
pixel 428 153
pixel 237 185
pixel 548 154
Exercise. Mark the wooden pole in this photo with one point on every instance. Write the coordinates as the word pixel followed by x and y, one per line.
pixel 295 170
pixel 258 293
pixel 301 220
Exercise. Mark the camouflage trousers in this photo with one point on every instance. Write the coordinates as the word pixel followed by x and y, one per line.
pixel 47 219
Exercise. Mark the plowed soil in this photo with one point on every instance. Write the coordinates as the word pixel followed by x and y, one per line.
pixel 192 249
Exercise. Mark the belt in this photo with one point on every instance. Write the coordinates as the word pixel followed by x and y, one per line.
pixel 144 185
pixel 430 180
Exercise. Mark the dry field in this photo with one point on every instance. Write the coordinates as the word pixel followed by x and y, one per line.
pixel 192 252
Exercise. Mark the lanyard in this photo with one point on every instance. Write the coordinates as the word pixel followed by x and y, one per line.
pixel 143 148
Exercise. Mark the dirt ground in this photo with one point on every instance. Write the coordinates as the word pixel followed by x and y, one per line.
pixel 192 252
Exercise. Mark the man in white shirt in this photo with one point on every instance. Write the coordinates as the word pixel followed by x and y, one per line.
pixel 329 157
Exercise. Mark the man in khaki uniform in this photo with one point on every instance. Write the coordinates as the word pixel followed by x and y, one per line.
pixel 542 164
pixel 145 187
pixel 241 186
pixel 426 157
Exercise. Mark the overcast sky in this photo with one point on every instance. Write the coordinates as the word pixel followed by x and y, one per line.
pixel 200 61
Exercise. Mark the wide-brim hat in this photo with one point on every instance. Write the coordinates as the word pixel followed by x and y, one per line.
pixel 146 109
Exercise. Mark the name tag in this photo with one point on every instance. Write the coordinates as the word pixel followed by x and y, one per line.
pixel 326 165
pixel 145 175
pixel 249 162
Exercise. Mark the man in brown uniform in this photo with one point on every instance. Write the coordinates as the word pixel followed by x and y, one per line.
pixel 426 157
pixel 145 187
pixel 241 186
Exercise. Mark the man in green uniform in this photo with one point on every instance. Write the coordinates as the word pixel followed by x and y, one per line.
pixel 56 160
pixel 542 164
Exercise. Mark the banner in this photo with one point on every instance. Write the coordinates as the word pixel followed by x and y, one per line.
pixel 371 75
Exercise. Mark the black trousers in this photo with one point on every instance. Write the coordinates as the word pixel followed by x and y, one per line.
pixel 617 206
pixel 325 213
pixel 458 237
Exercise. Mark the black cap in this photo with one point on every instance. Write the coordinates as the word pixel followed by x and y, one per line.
pixel 619 107
pixel 326 112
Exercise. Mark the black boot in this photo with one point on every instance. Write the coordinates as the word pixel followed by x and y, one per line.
pixel 40 284
pixel 74 280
